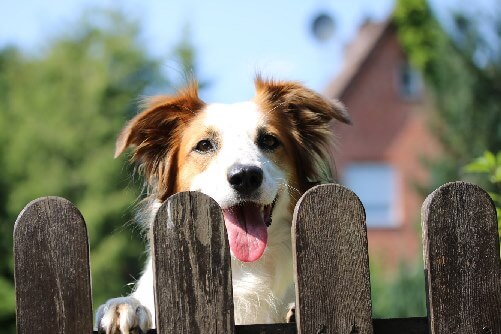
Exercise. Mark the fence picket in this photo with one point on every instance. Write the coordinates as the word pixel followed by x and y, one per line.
pixel 331 262
pixel 52 273
pixel 462 264
pixel 192 267
pixel 193 274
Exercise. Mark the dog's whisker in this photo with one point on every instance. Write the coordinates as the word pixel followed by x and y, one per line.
pixel 292 191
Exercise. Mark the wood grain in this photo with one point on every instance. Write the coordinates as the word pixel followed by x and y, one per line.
pixel 52 273
pixel 192 267
pixel 462 263
pixel 331 262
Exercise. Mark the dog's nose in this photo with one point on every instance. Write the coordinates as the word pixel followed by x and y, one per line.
pixel 244 178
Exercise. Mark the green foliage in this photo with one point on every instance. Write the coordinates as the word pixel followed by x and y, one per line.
pixel 420 33
pixel 462 72
pixel 488 166
pixel 461 63
pixel 400 295
pixel 462 69
pixel 60 112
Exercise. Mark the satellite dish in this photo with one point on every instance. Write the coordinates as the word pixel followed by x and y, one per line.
pixel 323 27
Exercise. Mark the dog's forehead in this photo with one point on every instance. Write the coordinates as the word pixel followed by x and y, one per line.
pixel 242 117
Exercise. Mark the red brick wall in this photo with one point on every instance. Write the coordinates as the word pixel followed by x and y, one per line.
pixel 387 128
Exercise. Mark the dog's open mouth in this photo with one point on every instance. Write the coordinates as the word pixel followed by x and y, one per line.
pixel 247 226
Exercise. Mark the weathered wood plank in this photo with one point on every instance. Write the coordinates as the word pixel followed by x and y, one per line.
pixel 192 267
pixel 331 262
pixel 52 273
pixel 462 264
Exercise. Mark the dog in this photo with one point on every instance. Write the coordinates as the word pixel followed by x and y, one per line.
pixel 256 159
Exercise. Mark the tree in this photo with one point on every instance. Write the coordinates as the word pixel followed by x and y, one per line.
pixel 8 59
pixel 488 168
pixel 60 112
pixel 400 294
pixel 460 61
pixel 462 69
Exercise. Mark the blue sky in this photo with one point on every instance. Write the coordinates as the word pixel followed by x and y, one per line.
pixel 233 39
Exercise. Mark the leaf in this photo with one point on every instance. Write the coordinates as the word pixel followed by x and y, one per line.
pixel 495 197
pixel 483 164
pixel 496 175
pixel 498 158
pixel 490 159
pixel 477 166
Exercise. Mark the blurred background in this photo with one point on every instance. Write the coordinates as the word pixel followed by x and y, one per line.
pixel 421 79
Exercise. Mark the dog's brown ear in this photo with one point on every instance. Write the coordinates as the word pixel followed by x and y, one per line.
pixel 155 133
pixel 161 118
pixel 294 96
pixel 306 117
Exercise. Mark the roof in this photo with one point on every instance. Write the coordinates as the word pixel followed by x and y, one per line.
pixel 356 53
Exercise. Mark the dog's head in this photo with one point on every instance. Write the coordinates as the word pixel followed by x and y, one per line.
pixel 253 157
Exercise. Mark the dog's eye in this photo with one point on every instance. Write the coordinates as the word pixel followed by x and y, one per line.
pixel 268 142
pixel 205 146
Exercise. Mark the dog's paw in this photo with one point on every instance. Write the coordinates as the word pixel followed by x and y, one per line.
pixel 291 315
pixel 124 315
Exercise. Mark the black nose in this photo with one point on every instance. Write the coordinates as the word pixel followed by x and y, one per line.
pixel 244 178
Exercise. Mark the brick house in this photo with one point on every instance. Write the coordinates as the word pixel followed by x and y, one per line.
pixel 380 155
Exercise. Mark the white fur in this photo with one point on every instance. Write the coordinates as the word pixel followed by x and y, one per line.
pixel 237 125
pixel 262 290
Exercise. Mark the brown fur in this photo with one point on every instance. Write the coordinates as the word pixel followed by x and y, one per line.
pixel 166 137
pixel 165 131
pixel 190 165
pixel 156 134
pixel 304 117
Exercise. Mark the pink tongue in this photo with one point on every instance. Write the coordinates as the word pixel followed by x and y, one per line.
pixel 247 231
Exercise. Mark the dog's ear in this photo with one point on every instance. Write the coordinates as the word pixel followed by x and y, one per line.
pixel 161 118
pixel 307 117
pixel 307 104
pixel 155 134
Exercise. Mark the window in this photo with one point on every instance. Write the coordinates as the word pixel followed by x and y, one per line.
pixel 409 82
pixel 375 185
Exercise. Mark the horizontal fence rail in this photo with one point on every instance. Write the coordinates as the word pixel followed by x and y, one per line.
pixel 193 275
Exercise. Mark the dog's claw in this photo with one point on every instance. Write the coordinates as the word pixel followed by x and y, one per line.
pixel 124 315
pixel 291 315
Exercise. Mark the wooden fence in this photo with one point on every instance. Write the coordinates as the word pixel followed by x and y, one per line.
pixel 193 276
